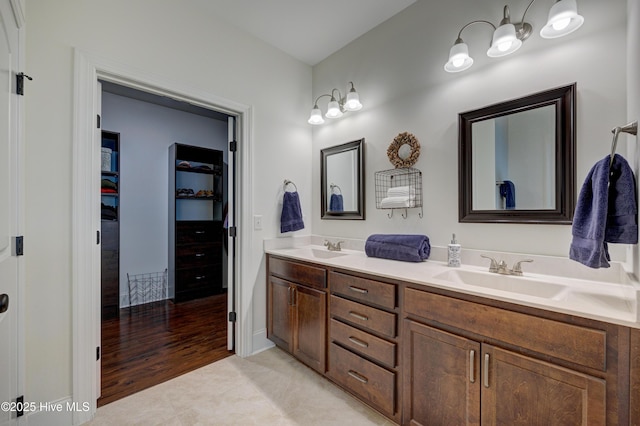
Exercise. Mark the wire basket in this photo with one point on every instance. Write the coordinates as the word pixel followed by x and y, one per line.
pixel 146 288
pixel 409 178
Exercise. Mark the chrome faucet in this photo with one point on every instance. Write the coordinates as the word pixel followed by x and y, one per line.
pixel 333 246
pixel 501 267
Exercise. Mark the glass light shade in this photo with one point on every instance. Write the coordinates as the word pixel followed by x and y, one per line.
pixel 316 116
pixel 353 101
pixel 333 109
pixel 504 41
pixel 563 20
pixel 459 59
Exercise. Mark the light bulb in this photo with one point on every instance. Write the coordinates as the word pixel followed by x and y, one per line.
pixel 504 46
pixel 457 62
pixel 561 24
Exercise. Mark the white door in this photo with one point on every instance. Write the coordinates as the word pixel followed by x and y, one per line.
pixel 9 219
pixel 231 241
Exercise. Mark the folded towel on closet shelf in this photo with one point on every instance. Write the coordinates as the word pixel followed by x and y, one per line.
pixel 336 203
pixel 508 192
pixel 397 202
pixel 606 211
pixel 402 191
pixel 405 247
pixel 291 217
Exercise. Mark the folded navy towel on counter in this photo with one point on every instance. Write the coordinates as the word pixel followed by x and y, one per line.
pixel 404 247
pixel 291 218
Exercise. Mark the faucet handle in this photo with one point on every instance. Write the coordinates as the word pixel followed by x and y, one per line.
pixel 493 267
pixel 338 245
pixel 517 269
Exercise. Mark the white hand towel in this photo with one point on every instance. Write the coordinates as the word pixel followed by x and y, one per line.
pixel 402 191
pixel 397 202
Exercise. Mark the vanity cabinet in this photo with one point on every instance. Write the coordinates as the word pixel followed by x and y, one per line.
pixel 297 310
pixel 467 363
pixel 363 340
pixel 634 388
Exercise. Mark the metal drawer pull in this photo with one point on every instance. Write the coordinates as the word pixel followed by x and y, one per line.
pixel 358 316
pixel 486 370
pixel 472 366
pixel 199 254
pixel 200 232
pixel 358 342
pixel 293 296
pixel 358 377
pixel 200 277
pixel 358 289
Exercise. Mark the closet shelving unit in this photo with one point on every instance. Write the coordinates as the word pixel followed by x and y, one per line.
pixel 195 222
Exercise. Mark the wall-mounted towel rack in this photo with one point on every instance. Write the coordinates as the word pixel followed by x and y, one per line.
pixel 334 186
pixel 288 182
pixel 631 128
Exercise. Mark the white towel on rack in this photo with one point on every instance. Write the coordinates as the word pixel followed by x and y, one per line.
pixel 402 191
pixel 397 202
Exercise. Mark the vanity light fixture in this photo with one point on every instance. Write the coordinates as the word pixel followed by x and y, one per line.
pixel 336 106
pixel 507 37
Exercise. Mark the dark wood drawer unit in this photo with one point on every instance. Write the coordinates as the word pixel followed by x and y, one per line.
pixel 298 272
pixel 364 290
pixel 197 232
pixel 581 345
pixel 370 318
pixel 374 384
pixel 363 343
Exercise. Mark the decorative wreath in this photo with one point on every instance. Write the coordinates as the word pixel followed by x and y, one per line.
pixel 400 140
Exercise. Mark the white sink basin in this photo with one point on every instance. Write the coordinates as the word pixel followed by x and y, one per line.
pixel 317 253
pixel 510 283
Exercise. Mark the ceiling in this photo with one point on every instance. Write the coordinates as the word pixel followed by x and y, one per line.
pixel 309 30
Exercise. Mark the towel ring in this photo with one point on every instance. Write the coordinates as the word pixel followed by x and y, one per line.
pixel 631 128
pixel 334 186
pixel 288 182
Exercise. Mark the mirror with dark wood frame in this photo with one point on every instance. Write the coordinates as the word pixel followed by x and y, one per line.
pixel 517 160
pixel 342 181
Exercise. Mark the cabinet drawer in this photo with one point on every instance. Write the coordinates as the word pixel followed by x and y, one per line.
pixel 190 232
pixel 198 255
pixel 298 272
pixel 365 316
pixel 369 291
pixel 363 342
pixel 208 276
pixel 374 384
pixel 568 342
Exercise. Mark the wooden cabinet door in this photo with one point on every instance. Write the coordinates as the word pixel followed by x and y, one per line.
pixel 518 390
pixel 279 321
pixel 310 331
pixel 441 377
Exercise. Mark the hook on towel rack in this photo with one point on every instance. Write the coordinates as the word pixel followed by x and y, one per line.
pixel 631 128
pixel 288 182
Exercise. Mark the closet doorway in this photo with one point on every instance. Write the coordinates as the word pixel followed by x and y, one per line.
pixel 149 334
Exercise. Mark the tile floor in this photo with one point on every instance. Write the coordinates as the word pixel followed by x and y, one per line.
pixel 269 388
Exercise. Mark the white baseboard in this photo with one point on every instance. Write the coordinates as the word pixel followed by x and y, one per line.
pixel 260 342
pixel 55 413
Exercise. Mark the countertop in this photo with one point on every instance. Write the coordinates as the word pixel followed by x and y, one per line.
pixel 613 302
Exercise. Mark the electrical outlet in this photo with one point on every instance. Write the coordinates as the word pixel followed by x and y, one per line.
pixel 257 222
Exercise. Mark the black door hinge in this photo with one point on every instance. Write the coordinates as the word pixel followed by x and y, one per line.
pixel 98 121
pixel 97 237
pixel 19 246
pixel 232 317
pixel 20 406
pixel 97 353
pixel 233 146
pixel 20 82
pixel 233 231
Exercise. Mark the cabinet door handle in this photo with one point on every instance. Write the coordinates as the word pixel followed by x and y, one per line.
pixel 199 254
pixel 358 289
pixel 358 342
pixel 359 377
pixel 358 316
pixel 472 366
pixel 289 291
pixel 486 370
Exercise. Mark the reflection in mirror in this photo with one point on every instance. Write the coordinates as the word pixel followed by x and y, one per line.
pixel 342 181
pixel 517 160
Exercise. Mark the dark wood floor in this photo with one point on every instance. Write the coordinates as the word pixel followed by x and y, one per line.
pixel 159 341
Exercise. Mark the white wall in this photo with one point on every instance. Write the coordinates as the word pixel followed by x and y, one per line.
pixel 398 71
pixel 177 43
pixel 146 132
pixel 633 102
